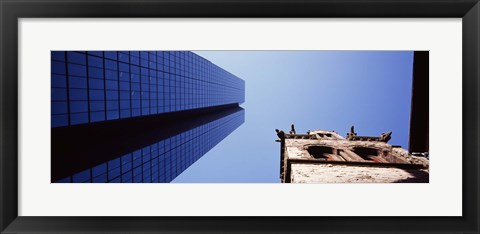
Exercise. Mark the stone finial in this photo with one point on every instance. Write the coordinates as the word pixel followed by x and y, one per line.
pixel 352 133
pixel 385 137
pixel 292 130
pixel 280 134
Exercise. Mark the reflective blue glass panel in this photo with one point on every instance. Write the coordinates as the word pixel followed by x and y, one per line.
pixel 146 83
pixel 161 162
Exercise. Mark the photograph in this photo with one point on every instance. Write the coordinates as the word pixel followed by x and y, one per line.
pixel 240 116
pixel 203 116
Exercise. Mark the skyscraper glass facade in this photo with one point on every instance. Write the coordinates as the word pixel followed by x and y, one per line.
pixel 95 86
pixel 163 161
pixel 105 104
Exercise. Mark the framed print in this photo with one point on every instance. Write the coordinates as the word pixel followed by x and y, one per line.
pixel 209 116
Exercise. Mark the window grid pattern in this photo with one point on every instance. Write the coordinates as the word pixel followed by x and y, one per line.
pixel 94 86
pixel 163 161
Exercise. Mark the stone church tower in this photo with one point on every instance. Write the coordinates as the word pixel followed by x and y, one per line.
pixel 326 157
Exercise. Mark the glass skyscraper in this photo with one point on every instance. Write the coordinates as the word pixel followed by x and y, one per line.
pixel 137 116
pixel 95 86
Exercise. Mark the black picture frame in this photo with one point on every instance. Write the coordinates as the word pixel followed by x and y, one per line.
pixel 11 11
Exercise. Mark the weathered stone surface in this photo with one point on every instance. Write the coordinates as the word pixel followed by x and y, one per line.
pixel 329 173
pixel 327 146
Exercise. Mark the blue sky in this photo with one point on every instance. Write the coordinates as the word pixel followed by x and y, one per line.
pixel 329 90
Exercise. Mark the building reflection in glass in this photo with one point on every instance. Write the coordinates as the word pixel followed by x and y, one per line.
pixel 164 160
